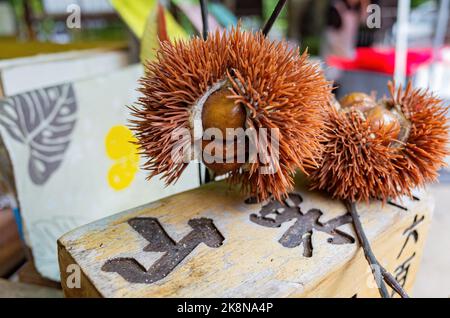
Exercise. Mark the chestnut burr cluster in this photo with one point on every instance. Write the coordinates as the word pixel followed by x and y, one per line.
pixel 382 149
pixel 356 149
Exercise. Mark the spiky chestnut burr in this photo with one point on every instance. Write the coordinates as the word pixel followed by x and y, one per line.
pixel 234 79
pixel 383 149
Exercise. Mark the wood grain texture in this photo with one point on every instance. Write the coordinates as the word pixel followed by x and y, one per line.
pixel 88 290
pixel 254 260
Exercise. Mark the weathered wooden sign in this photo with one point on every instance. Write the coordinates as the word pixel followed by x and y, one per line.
pixel 212 241
pixel 203 231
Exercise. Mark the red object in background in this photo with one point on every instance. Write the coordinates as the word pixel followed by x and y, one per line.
pixel 381 60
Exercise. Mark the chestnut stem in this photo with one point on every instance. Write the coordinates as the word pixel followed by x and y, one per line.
pixel 204 9
pixel 273 17
pixel 368 253
pixel 392 282
pixel 370 257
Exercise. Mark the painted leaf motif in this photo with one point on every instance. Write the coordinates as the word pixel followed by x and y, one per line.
pixel 48 230
pixel 43 120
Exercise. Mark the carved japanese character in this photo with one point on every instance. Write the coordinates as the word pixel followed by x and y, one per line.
pixel 401 272
pixel 276 213
pixel 203 231
pixel 411 231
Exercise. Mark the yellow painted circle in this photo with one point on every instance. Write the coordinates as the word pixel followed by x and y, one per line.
pixel 121 175
pixel 119 142
pixel 119 147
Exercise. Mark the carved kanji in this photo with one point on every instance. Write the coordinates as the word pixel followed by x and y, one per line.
pixel 401 272
pixel 203 231
pixel 276 213
pixel 411 232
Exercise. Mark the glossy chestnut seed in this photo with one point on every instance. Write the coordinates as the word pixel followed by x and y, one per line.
pixel 405 124
pixel 220 112
pixel 220 157
pixel 380 118
pixel 358 100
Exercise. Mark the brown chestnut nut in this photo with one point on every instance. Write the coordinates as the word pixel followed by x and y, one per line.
pixel 221 112
pixel 382 119
pixel 221 156
pixel 358 100
pixel 382 116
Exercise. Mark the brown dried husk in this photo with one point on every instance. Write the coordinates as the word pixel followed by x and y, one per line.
pixel 358 166
pixel 279 88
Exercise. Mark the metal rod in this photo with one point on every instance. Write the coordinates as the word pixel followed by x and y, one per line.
pixel 273 17
pixel 204 9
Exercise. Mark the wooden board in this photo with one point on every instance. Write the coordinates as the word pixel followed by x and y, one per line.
pixel 209 242
pixel 77 65
pixel 18 290
pixel 14 49
pixel 28 274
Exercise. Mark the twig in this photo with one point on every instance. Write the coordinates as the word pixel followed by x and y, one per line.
pixel 204 9
pixel 273 17
pixel 368 253
pixel 367 249
pixel 392 282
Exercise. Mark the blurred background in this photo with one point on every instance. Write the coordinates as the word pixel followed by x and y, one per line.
pixel 62 169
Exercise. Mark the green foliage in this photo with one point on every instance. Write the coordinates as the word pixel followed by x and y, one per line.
pixel 282 22
pixel 416 3
pixel 312 43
